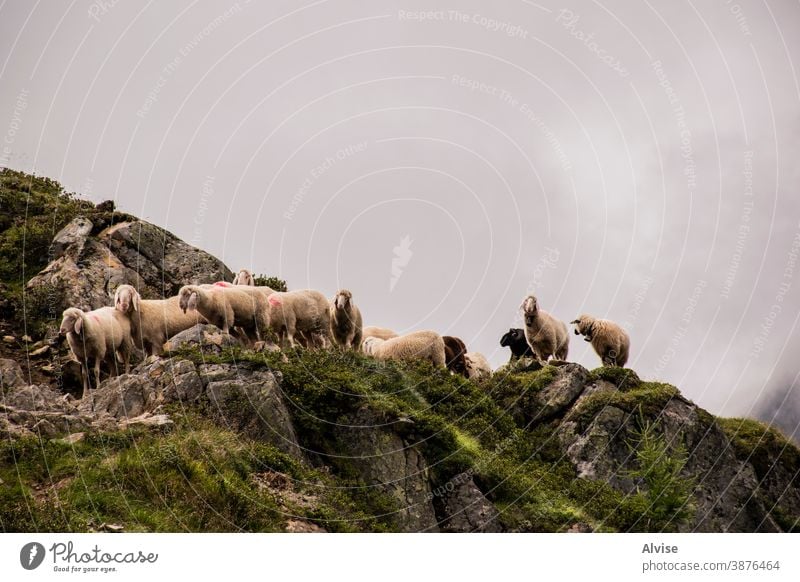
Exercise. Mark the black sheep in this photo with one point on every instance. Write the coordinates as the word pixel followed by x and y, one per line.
pixel 515 339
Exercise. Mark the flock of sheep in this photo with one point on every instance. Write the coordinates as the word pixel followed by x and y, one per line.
pixel 307 317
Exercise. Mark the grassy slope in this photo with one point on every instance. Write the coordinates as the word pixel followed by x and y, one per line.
pixel 200 477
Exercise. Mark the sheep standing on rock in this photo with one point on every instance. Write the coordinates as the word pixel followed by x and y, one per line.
pixel 305 312
pixel 608 339
pixel 227 306
pixel 346 323
pixel 546 335
pixel 383 333
pixel 515 340
pixel 478 366
pixel 153 321
pixel 94 336
pixel 454 351
pixel 417 345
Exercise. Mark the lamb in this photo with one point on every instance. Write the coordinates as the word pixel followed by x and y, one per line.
pixel 305 312
pixel 383 333
pixel 94 336
pixel 515 339
pixel 227 307
pixel 153 321
pixel 454 351
pixel 478 366
pixel 417 345
pixel 546 335
pixel 244 277
pixel 608 339
pixel 346 323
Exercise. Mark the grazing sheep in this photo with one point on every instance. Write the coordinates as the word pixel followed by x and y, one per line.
pixel 383 333
pixel 346 323
pixel 515 339
pixel 228 306
pixel 417 345
pixel 244 277
pixel 478 366
pixel 97 335
pixel 546 335
pixel 608 339
pixel 153 321
pixel 305 312
pixel 454 351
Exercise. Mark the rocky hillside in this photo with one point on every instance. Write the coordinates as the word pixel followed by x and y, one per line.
pixel 219 438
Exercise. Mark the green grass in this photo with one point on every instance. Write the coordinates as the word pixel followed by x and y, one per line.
pixel 197 477
pixel 762 445
pixel 649 397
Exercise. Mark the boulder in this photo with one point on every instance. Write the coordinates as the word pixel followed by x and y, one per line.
pixel 250 402
pixel 385 460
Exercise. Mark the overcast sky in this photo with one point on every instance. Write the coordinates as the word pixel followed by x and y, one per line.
pixel 632 160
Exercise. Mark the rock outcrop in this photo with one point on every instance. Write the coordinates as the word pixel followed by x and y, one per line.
pixel 85 269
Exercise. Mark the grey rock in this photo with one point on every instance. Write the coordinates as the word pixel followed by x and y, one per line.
pixel 74 234
pixel 385 460
pixel 204 335
pixel 556 397
pixel 11 374
pixel 124 396
pixel 87 269
pixel 465 509
pixel 252 405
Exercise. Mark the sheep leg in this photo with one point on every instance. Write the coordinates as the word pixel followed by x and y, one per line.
pixel 85 374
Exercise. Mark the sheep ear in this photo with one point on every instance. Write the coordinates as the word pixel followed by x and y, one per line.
pixel 78 324
pixel 192 303
pixel 135 302
pixel 576 321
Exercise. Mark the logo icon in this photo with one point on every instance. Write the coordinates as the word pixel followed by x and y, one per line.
pixel 402 255
pixel 31 555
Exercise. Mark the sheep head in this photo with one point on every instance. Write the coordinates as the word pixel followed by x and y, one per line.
pixel 71 322
pixel 244 277
pixel 513 335
pixel 125 298
pixel 187 298
pixel 342 299
pixel 584 325
pixel 370 344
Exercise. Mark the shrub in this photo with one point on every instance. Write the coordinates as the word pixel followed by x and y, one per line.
pixel 271 282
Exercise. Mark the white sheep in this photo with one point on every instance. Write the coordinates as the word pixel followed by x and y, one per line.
pixel 417 345
pixel 478 366
pixel 346 323
pixel 244 277
pixel 546 335
pixel 227 306
pixel 383 333
pixel 153 321
pixel 94 336
pixel 608 339
pixel 304 312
